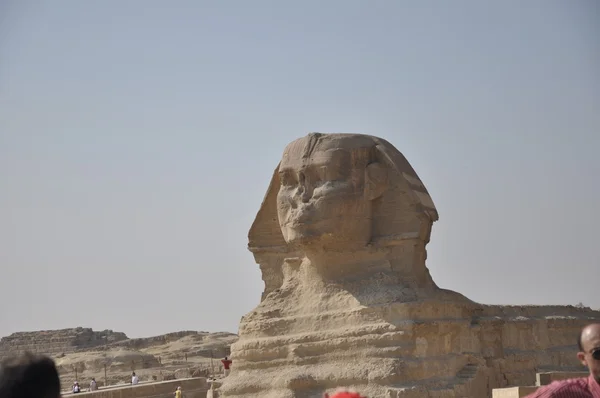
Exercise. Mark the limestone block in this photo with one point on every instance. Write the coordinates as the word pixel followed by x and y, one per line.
pixel 546 378
pixel 513 392
pixel 183 373
pixel 200 372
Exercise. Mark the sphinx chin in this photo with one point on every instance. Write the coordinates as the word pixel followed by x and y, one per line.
pixel 302 239
pixel 323 242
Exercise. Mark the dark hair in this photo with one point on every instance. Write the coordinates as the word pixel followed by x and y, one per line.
pixel 579 338
pixel 29 376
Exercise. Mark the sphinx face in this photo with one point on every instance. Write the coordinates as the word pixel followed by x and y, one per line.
pixel 321 200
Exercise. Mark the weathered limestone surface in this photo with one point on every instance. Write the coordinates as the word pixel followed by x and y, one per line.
pixel 54 342
pixel 340 239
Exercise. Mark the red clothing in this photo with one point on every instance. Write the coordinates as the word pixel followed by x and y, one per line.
pixel 584 387
pixel 346 395
pixel 226 363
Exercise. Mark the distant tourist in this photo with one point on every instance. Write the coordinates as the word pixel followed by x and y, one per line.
pixel 134 379
pixel 93 385
pixel 589 356
pixel 178 392
pixel 29 376
pixel 76 388
pixel 226 365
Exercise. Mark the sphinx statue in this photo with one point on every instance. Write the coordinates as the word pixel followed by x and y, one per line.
pixel 340 239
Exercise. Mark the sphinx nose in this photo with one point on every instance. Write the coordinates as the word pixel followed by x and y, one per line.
pixel 305 189
pixel 305 195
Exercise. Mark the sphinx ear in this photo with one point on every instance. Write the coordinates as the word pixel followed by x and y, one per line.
pixel 376 180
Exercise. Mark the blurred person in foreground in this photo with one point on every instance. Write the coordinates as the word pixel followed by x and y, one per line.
pixel 29 376
pixel 589 356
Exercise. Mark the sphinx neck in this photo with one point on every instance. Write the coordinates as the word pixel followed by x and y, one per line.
pixel 341 265
pixel 406 262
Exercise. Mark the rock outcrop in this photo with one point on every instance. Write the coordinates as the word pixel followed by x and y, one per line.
pixel 110 357
pixel 56 342
pixel 145 342
pixel 341 239
pixel 202 344
pixel 119 360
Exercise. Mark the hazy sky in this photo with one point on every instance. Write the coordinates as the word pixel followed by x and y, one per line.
pixel 137 140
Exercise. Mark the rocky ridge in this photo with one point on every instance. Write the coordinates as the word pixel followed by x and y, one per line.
pixel 110 357
pixel 57 342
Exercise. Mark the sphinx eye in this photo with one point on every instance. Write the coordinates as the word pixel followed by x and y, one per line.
pixel 327 174
pixel 287 179
pixel 322 173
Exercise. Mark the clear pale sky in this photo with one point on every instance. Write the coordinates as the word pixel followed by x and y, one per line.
pixel 137 140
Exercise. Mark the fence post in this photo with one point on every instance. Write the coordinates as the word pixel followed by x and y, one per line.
pixel 211 363
pixel 105 378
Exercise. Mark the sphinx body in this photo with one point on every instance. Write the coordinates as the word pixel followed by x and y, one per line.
pixel 341 241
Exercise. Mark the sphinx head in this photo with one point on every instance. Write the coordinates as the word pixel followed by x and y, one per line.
pixel 341 192
pixel 327 187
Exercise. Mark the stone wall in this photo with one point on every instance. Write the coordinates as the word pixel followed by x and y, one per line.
pixel 56 342
pixel 191 388
pixel 513 392
pixel 542 379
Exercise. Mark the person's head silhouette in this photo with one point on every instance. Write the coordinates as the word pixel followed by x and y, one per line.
pixel 29 376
